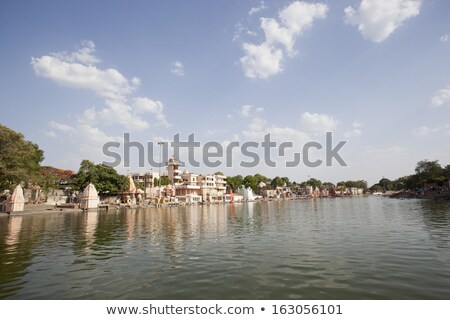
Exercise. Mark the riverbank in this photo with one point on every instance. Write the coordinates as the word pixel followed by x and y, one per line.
pixel 47 208
pixel 41 208
pixel 429 195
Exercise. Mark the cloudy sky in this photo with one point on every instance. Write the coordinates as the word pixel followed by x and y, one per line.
pixel 76 74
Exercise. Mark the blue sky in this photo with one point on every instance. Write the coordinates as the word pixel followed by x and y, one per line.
pixel 375 72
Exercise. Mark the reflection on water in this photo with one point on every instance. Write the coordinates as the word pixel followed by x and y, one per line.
pixel 363 248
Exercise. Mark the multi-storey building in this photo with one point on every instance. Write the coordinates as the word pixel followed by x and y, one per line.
pixel 147 179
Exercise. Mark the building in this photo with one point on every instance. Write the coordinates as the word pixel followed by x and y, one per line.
pixel 246 193
pixel 173 170
pixel 187 187
pixel 213 187
pixel 147 180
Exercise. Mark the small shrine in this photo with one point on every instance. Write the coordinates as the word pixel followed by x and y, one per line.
pixel 16 201
pixel 89 198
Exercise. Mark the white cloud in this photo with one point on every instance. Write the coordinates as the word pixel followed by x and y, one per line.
pixel 84 55
pixel 444 38
pixel 421 132
pixel 384 153
pixel 355 131
pixel 315 122
pixel 254 10
pixel 60 126
pixel 277 34
pixel 108 83
pixel 261 61
pixel 257 124
pixel 282 134
pixel 51 134
pixel 77 70
pixel 256 128
pixel 143 105
pixel 246 110
pixel 177 68
pixel 94 136
pixel 378 19
pixel 441 97
pixel 426 131
pixel 265 59
pixel 299 16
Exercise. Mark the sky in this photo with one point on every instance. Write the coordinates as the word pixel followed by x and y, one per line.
pixel 376 73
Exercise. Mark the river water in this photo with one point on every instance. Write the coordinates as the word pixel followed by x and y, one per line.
pixel 349 248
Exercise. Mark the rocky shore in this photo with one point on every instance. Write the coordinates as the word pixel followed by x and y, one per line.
pixel 413 194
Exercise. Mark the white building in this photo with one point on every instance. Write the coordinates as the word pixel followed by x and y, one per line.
pixel 246 193
pixel 173 169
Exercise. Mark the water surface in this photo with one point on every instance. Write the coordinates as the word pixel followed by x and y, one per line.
pixel 359 248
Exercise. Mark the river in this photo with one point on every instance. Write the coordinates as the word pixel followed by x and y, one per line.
pixel 344 248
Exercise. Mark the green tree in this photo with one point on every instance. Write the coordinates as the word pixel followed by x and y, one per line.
pixel 251 182
pixel 314 183
pixel 260 178
pixel 429 171
pixel 286 181
pixel 235 182
pixel 139 185
pixel 328 185
pixel 386 184
pixel 446 172
pixel 276 182
pixel 104 178
pixel 19 159
pixel 164 181
pixel 376 188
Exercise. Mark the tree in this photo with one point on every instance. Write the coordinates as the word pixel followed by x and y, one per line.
pixel 251 182
pixel 286 181
pixel 54 178
pixel 164 181
pixel 386 184
pixel 104 178
pixel 328 185
pixel 235 182
pixel 429 171
pixel 19 159
pixel 260 178
pixel 314 183
pixel 276 182
pixel 446 172
pixel 139 185
pixel 376 188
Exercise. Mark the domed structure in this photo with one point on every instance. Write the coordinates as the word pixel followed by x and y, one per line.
pixel 89 198
pixel 16 201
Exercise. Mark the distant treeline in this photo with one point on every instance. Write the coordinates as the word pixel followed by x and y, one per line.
pixel 427 172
